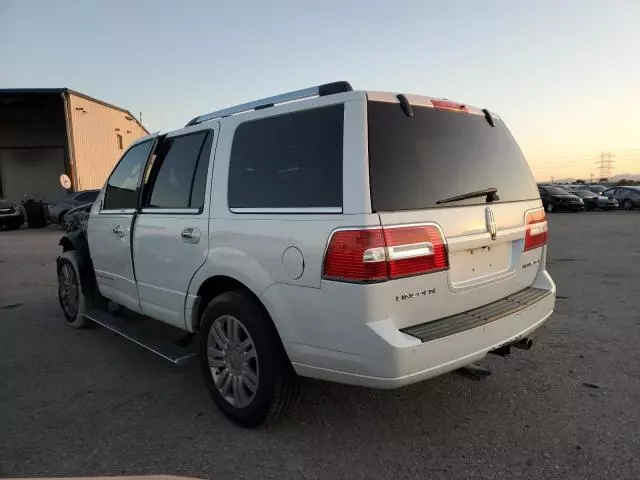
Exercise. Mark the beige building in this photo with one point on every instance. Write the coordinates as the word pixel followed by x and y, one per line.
pixel 45 133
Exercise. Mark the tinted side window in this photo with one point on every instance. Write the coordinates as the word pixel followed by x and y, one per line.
pixel 122 187
pixel 176 168
pixel 292 160
pixel 200 178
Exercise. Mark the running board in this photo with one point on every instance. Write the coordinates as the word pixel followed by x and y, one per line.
pixel 176 354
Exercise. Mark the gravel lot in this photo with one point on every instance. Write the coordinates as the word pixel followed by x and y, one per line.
pixel 78 403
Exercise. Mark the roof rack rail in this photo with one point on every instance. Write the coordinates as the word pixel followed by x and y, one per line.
pixel 318 91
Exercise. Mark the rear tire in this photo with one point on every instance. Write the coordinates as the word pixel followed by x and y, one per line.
pixel 70 296
pixel 244 364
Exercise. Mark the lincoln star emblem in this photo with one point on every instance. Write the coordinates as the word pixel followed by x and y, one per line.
pixel 490 220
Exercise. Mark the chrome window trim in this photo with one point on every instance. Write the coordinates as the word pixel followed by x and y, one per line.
pixel 299 210
pixel 170 210
pixel 118 211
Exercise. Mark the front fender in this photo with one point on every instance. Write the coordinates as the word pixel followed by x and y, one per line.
pixel 77 241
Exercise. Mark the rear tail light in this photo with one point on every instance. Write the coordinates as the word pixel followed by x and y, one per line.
pixel 379 254
pixel 356 255
pixel 536 233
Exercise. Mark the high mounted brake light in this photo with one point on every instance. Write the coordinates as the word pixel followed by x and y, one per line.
pixel 447 105
pixel 536 233
pixel 384 253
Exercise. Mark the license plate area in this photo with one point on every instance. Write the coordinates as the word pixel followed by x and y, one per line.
pixel 478 265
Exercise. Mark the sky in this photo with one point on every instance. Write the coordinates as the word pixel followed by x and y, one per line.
pixel 563 74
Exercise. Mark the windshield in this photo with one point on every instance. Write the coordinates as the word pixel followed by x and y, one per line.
pixel 437 154
pixel 556 191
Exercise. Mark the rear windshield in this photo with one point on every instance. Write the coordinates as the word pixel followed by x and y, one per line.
pixel 437 154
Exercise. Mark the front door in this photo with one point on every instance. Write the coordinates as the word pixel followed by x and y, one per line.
pixel 171 237
pixel 110 228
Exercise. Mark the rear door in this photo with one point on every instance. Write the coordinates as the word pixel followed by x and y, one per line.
pixel 422 167
pixel 172 229
pixel 110 228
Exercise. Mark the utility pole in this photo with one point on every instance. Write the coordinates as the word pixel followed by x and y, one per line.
pixel 591 178
pixel 551 178
pixel 610 164
pixel 605 164
pixel 600 164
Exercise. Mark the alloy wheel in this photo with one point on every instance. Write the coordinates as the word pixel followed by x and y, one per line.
pixel 68 291
pixel 233 361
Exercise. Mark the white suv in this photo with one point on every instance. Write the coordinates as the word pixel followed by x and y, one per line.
pixel 369 238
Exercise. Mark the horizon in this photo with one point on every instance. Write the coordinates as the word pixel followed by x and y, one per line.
pixel 566 90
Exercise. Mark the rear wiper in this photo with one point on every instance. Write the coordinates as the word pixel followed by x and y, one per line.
pixel 490 193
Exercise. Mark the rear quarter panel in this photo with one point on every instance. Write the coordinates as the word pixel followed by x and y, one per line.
pixel 253 248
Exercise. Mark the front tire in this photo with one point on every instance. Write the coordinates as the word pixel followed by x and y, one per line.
pixel 70 296
pixel 627 205
pixel 549 208
pixel 244 364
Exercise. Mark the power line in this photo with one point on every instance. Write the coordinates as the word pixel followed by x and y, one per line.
pixel 628 151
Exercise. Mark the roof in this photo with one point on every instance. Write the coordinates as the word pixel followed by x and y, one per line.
pixel 60 91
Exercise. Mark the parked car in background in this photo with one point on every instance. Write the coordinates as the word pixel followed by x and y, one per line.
pixel 557 198
pixel 627 197
pixel 58 208
pixel 595 188
pixel 593 200
pixel 11 215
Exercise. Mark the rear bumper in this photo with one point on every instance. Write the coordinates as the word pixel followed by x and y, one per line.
pixel 571 208
pixel 402 359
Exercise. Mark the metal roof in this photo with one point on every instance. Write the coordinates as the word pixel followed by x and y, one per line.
pixel 60 91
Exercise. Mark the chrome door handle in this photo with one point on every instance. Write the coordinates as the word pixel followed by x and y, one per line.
pixel 190 235
pixel 118 232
